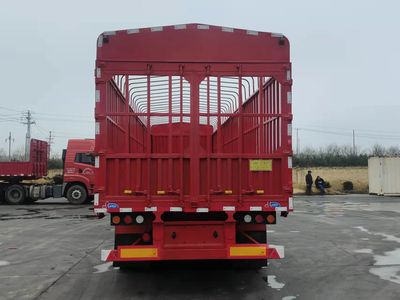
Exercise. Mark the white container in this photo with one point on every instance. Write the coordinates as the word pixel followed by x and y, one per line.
pixel 384 176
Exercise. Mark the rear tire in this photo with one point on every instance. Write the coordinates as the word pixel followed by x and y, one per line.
pixel 76 194
pixel 15 194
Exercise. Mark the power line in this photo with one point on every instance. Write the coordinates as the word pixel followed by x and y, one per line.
pixel 64 120
pixel 41 129
pixel 9 109
pixel 327 129
pixel 62 115
pixel 9 120
pixel 350 134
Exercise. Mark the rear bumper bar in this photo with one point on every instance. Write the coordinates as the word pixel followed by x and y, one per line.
pixel 238 251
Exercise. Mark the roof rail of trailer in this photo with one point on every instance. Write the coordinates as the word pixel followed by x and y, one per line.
pixel 193 43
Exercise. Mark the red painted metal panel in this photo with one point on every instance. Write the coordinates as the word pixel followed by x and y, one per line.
pixel 36 167
pixel 79 172
pixel 182 110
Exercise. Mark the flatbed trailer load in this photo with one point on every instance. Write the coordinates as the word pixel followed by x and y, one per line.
pixel 193 142
pixel 34 168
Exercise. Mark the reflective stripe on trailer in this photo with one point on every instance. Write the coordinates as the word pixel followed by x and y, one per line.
pixel 139 253
pixel 179 209
pixel 100 210
pixel 125 209
pixel 233 252
pixel 105 254
pixel 255 208
pixel 248 251
pixel 290 202
pixel 281 208
pixel 153 208
pixel 129 253
pixel 276 251
pixel 202 209
pixel 175 209
pixel 228 208
pixel 268 251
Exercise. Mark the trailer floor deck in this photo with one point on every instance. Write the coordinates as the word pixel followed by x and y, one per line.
pixel 337 247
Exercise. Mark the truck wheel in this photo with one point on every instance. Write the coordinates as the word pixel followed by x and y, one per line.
pixel 76 194
pixel 15 194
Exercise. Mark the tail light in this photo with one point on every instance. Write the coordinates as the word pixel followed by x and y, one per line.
pixel 132 218
pixel 260 219
pixel 128 219
pixel 139 219
pixel 247 218
pixel 116 220
pixel 251 217
pixel 270 219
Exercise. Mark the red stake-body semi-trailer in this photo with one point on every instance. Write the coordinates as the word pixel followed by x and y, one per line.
pixel 193 141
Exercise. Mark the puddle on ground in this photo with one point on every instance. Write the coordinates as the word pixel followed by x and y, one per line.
pixel 366 251
pixel 388 237
pixel 273 282
pixel 103 267
pixel 390 273
pixel 338 209
pixel 294 231
pixel 4 263
pixel 386 266
pixel 333 209
pixel 289 298
pixel 384 206
pixel 388 258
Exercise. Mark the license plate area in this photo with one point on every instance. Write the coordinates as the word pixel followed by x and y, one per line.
pixel 194 235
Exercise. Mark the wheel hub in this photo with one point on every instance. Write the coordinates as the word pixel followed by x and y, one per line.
pixel 15 194
pixel 76 194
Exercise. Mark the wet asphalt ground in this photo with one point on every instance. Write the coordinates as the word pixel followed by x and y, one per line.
pixel 337 247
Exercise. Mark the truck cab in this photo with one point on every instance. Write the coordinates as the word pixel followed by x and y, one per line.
pixel 78 161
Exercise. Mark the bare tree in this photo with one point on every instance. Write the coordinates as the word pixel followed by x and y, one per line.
pixel 3 155
pixel 378 150
pixel 393 151
pixel 18 154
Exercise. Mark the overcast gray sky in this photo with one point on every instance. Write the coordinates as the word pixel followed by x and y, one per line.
pixel 345 57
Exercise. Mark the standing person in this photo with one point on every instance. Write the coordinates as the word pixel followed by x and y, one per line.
pixel 309 182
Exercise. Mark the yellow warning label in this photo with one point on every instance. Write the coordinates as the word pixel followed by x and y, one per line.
pixel 260 164
pixel 248 251
pixel 138 252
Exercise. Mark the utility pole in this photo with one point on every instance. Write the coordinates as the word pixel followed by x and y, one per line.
pixel 354 142
pixel 27 120
pixel 50 141
pixel 9 140
pixel 297 141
